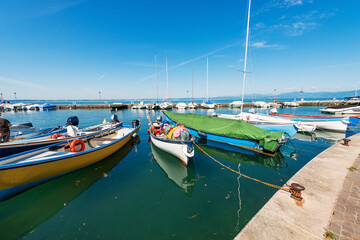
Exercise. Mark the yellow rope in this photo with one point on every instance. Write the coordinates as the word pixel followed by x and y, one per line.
pixel 254 179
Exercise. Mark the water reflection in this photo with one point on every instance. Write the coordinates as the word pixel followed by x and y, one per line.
pixel 25 212
pixel 177 172
pixel 277 161
pixel 322 135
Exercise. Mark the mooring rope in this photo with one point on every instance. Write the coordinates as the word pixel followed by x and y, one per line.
pixel 251 178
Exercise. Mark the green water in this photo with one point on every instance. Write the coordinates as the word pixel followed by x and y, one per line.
pixel 141 192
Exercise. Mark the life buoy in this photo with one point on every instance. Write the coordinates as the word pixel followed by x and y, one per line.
pixel 73 144
pixel 56 136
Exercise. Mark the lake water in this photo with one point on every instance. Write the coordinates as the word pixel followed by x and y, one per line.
pixel 141 192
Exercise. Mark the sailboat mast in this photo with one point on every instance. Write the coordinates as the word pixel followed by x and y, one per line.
pixel 207 79
pixel 192 89
pixel 167 81
pixel 246 48
pixel 157 87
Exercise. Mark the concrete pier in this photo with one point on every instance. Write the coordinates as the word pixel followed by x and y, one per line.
pixel 323 178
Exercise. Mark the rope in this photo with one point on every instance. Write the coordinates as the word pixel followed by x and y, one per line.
pixel 254 179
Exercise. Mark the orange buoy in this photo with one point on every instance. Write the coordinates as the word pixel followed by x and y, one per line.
pixel 73 144
pixel 56 136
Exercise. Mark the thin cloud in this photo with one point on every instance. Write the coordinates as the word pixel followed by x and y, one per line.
pixel 101 77
pixel 339 65
pixel 191 60
pixel 264 44
pixel 22 83
pixel 141 64
pixel 274 4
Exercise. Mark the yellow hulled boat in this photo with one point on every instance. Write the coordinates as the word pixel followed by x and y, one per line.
pixel 22 171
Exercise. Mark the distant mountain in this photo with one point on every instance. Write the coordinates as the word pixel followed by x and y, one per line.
pixel 297 95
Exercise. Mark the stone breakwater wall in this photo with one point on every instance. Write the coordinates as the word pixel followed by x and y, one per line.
pixel 219 105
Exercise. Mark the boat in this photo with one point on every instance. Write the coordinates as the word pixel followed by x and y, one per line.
pixel 192 105
pixel 329 124
pixel 118 106
pixel 48 106
pixel 354 120
pixel 166 104
pixel 183 176
pixel 17 172
pixel 141 105
pixel 236 104
pixel 261 104
pixel 33 132
pixel 20 106
pixel 320 135
pixel 229 131
pixel 290 104
pixel 207 104
pixel 349 106
pixel 172 139
pixel 181 105
pixel 33 107
pixel 62 135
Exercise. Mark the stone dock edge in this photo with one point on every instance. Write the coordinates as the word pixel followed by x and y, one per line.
pixel 323 178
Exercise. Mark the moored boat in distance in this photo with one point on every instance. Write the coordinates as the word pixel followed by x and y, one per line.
pixel 17 171
pixel 118 106
pixel 236 104
pixel 48 106
pixel 181 105
pixel 351 105
pixel 172 139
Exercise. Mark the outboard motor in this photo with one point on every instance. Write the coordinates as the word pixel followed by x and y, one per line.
pixel 159 119
pixel 135 123
pixel 114 119
pixel 72 121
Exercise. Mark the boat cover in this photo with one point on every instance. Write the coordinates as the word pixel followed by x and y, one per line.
pixel 228 128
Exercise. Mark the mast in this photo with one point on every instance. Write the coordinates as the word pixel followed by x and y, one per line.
pixel 192 89
pixel 246 47
pixel 167 81
pixel 207 78
pixel 157 89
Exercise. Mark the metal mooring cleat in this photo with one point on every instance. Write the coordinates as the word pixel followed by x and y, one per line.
pixel 346 141
pixel 295 190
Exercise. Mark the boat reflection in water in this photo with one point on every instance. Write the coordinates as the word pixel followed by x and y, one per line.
pixel 245 157
pixel 177 172
pixel 322 135
pixel 23 213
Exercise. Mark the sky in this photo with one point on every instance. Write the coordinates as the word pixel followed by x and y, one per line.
pixel 62 49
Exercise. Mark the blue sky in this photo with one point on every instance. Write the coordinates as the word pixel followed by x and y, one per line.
pixel 74 49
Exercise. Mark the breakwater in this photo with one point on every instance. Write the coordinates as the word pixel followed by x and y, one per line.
pixel 219 105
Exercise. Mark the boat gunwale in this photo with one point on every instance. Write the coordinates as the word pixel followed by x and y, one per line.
pixel 58 158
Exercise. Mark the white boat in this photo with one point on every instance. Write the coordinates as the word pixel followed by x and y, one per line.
pixel 290 104
pixel 207 104
pixel 261 104
pixel 166 105
pixel 33 107
pixel 351 105
pixel 181 105
pixel 182 149
pixel 236 104
pixel 192 105
pixel 141 105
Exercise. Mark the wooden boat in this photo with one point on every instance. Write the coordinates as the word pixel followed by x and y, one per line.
pixel 354 120
pixel 182 149
pixel 22 171
pixel 17 146
pixel 230 132
pixel 35 133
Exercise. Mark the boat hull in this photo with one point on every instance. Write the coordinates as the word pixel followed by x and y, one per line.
pixel 180 149
pixel 15 178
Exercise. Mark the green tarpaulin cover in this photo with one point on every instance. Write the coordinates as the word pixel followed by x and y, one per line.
pixel 228 128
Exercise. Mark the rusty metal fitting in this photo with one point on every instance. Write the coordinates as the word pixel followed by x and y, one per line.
pixel 295 190
pixel 346 141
